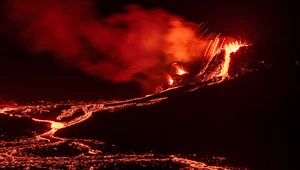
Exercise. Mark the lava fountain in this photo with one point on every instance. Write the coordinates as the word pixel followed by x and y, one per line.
pixel 92 150
pixel 173 40
pixel 229 48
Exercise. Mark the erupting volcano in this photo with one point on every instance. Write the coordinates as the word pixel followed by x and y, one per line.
pixel 179 75
pixel 170 58
pixel 136 45
pixel 72 113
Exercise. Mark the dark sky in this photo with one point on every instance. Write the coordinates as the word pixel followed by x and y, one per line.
pixel 25 76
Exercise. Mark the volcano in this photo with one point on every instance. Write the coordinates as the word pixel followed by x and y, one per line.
pixel 107 85
pixel 169 128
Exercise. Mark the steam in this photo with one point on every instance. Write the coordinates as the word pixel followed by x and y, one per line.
pixel 136 45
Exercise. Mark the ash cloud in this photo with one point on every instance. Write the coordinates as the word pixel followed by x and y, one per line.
pixel 135 45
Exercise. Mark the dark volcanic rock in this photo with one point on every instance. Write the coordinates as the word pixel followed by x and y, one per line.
pixel 14 128
pixel 246 120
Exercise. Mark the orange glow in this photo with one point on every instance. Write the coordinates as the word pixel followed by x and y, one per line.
pixel 57 125
pixel 180 71
pixel 214 47
pixel 229 48
pixel 171 81
pixel 21 152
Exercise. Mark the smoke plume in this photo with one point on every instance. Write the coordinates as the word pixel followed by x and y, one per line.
pixel 135 45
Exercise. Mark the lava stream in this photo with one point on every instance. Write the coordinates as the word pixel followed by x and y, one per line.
pixel 217 66
pixel 229 48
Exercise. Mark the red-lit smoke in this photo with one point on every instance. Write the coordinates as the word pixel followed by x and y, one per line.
pixel 119 48
pixel 3 101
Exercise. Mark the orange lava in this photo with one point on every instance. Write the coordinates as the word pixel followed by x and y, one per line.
pixel 213 48
pixel 229 48
pixel 171 81
pixel 180 71
pixel 26 152
pixel 57 125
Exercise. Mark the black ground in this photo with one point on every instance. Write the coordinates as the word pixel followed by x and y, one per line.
pixel 250 120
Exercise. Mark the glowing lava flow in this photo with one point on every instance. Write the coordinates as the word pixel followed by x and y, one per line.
pixel 212 51
pixel 229 48
pixel 171 81
pixel 91 150
pixel 217 59
pixel 54 125
pixel 180 71
pixel 25 153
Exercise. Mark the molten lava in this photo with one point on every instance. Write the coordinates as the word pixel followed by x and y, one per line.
pixel 92 150
pixel 115 48
pixel 57 125
pixel 229 48
pixel 217 57
pixel 171 81
pixel 176 72
pixel 180 71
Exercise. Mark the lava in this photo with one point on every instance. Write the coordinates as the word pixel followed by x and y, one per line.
pixel 171 81
pixel 216 70
pixel 90 154
pixel 22 153
pixel 138 48
pixel 217 67
pixel 116 48
pixel 91 149
pixel 180 71
pixel 229 48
